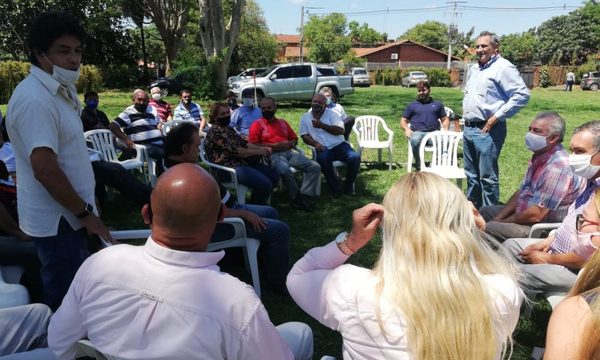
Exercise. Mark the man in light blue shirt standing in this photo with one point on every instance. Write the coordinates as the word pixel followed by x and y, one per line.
pixel 494 92
pixel 243 117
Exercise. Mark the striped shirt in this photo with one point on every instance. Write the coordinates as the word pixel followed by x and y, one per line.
pixel 193 114
pixel 140 128
pixel 163 108
pixel 550 183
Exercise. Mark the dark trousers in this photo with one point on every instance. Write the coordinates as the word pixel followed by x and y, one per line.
pixel 342 152
pixel 117 177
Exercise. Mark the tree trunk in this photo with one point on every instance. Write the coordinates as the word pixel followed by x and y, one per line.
pixel 218 39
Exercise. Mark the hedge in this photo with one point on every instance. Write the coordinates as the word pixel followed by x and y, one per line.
pixel 393 76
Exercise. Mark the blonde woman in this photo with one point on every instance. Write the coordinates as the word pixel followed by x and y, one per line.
pixel 574 328
pixel 437 290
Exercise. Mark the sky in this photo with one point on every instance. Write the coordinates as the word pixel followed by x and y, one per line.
pixel 501 17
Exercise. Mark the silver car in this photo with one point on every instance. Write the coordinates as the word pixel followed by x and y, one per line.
pixel 360 77
pixel 413 78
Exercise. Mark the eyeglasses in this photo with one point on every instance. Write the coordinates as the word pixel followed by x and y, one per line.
pixel 580 221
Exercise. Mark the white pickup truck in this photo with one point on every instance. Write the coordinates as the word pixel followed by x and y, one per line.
pixel 299 81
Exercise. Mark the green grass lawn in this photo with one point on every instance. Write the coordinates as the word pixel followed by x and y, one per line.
pixel 334 215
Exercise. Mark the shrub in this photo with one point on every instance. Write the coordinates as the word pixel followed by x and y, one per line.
pixel 11 73
pixel 122 76
pixel 90 78
pixel 544 77
pixel 438 76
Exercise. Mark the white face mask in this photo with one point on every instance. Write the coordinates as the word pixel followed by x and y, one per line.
pixel 583 245
pixel 580 164
pixel 156 96
pixel 64 76
pixel 535 142
pixel 248 101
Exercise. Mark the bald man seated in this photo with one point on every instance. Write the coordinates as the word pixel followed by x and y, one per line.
pixel 168 299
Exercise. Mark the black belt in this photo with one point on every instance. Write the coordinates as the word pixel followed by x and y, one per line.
pixel 477 124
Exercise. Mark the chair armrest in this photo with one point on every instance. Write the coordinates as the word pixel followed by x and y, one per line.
pixel 141 153
pixel 537 229
pixel 239 226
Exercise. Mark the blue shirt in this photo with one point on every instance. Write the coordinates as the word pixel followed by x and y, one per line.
pixel 496 88
pixel 243 117
pixel 424 117
pixel 194 114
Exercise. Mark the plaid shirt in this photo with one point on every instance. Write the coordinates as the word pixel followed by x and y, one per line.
pixel 566 234
pixel 549 183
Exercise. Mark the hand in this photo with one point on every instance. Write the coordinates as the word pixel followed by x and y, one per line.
pixel 542 245
pixel 94 225
pixel 266 151
pixel 536 257
pixel 257 223
pixel 479 221
pixel 159 125
pixel 408 133
pixel 365 222
pixel 130 144
pixel 319 147
pixel 317 124
pixel 489 124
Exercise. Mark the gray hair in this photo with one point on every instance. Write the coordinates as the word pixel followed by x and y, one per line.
pixel 494 39
pixel 557 123
pixel 594 128
pixel 154 89
pixel 135 92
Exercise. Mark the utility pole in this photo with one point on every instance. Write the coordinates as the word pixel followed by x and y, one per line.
pixel 452 29
pixel 302 28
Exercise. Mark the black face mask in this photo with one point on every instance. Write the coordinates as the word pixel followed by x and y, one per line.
pixel 232 103
pixel 317 108
pixel 268 114
pixel 141 107
pixel 224 121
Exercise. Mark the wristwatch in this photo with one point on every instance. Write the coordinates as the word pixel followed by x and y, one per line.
pixel 342 243
pixel 89 209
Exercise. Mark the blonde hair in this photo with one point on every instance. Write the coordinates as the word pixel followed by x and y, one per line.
pixel 430 268
pixel 588 283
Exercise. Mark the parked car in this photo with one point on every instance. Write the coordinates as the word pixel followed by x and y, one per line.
pixel 360 77
pixel 413 78
pixel 246 74
pixel 168 85
pixel 590 81
pixel 299 81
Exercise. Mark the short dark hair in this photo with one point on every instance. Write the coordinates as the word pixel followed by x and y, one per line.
pixel 424 84
pixel 48 27
pixel 178 136
pixel 184 91
pixel 89 94
pixel 229 94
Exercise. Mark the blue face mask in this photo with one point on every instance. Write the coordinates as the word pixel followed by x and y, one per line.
pixel 91 104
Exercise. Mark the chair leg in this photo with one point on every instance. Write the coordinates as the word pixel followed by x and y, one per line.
pixel 378 156
pixel 390 159
pixel 410 158
pixel 252 250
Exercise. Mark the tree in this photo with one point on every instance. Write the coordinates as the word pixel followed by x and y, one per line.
pixel 363 35
pixel 431 33
pixel 326 38
pixel 136 10
pixel 256 46
pixel 170 18
pixel 219 37
pixel 520 49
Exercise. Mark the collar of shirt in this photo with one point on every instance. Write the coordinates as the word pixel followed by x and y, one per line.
pixel 543 157
pixel 190 259
pixel 52 85
pixel 489 63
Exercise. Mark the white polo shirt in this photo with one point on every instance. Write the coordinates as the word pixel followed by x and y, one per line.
pixel 326 139
pixel 42 114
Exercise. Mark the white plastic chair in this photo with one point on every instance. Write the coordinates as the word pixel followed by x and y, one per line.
pixel 337 165
pixel 166 127
pixel 233 184
pixel 537 230
pixel 367 133
pixel 444 157
pixel 429 148
pixel 239 239
pixel 102 142
pixel 12 294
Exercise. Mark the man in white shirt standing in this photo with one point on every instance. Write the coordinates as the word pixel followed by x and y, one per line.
pixel 323 129
pixel 168 299
pixel 56 183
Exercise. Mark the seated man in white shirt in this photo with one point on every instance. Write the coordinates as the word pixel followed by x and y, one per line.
pixel 176 304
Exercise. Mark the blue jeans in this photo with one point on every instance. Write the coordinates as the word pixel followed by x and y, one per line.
pixel 415 144
pixel 481 153
pixel 274 241
pixel 60 256
pixel 342 152
pixel 260 178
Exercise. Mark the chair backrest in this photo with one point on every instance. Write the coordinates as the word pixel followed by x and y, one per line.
pixel 173 123
pixel 102 142
pixel 366 127
pixel 444 148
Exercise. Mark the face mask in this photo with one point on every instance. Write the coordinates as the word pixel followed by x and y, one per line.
pixel 186 101
pixel 91 104
pixel 317 108
pixel 535 142
pixel 141 107
pixel 232 103
pixel 248 102
pixel 329 101
pixel 580 164
pixel 64 76
pixel 268 114
pixel 224 121
pixel 156 96
pixel 583 245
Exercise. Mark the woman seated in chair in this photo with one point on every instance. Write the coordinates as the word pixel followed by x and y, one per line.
pixel 224 146
pixel 437 291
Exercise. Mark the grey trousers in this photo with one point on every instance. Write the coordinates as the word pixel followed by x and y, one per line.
pixel 543 277
pixel 311 172
pixel 502 231
pixel 23 329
